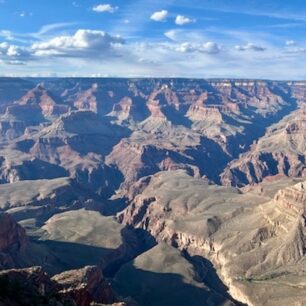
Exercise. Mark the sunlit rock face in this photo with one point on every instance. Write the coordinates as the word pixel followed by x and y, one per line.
pixel 49 104
pixel 281 150
pixel 255 239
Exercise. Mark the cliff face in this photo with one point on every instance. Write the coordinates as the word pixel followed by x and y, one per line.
pixel 280 151
pixel 49 104
pixel 293 198
pixel 11 234
pixel 85 286
pixel 254 245
pixel 13 241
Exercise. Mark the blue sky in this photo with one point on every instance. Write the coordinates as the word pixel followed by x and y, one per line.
pixel 129 38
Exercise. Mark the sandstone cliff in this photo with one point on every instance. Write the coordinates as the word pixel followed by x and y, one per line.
pixel 255 242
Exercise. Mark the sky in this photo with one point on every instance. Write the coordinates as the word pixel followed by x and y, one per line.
pixel 263 39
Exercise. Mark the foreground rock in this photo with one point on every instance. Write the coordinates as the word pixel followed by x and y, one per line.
pixel 26 287
pixel 85 286
pixel 32 286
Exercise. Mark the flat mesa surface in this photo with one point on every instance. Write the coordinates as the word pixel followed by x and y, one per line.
pixel 81 237
pixel 24 192
pixel 84 227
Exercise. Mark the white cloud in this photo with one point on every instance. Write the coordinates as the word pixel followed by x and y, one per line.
pixel 105 8
pixel 159 16
pixel 3 47
pixel 182 35
pixel 8 35
pixel 290 42
pixel 295 50
pixel 25 14
pixel 15 63
pixel 208 47
pixel 181 20
pixel 250 46
pixel 82 43
pixel 53 27
pixel 188 53
pixel 172 34
pixel 13 51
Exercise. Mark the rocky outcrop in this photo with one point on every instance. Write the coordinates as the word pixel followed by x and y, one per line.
pixel 12 235
pixel 10 129
pixel 199 113
pixel 49 104
pixel 33 169
pixel 87 100
pixel 17 118
pixel 293 198
pixel 77 133
pixel 122 110
pixel 33 286
pixel 13 88
pixel 13 241
pixel 85 286
pixel 136 158
pixel 26 287
pixel 281 150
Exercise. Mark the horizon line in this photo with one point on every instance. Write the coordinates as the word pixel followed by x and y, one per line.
pixel 155 78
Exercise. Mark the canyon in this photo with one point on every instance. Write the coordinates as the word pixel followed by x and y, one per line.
pixel 152 191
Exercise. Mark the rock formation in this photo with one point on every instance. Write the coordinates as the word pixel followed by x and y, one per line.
pixel 281 150
pixel 85 286
pixel 254 245
pixel 13 240
pixel 173 191
pixel 33 286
